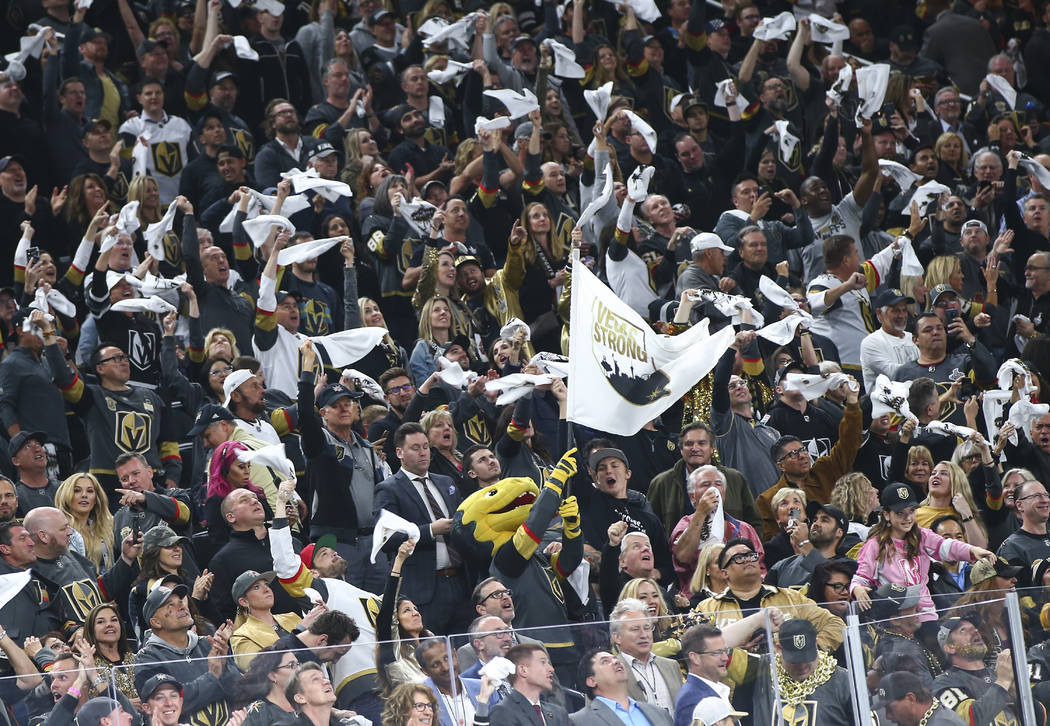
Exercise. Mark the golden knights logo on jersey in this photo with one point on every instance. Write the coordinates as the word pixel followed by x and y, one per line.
pixel 132 431
pixel 562 230
pixel 81 596
pixel 142 349
pixel 214 714
pixel 172 249
pixel 167 158
pixel 316 317
pixel 797 714
pixel 244 142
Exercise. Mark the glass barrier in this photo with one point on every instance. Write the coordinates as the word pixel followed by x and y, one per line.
pixel 792 663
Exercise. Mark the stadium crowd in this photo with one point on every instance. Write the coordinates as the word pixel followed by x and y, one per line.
pixel 287 401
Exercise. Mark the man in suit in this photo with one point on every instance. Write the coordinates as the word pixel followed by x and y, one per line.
pixel 532 677
pixel 708 657
pixel 607 681
pixel 434 577
pixel 649 677
pixel 492 597
pixel 433 657
pixel 490 637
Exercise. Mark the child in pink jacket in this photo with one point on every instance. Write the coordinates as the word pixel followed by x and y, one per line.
pixel 898 551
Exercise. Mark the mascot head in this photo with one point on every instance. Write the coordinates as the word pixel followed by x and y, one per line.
pixel 488 518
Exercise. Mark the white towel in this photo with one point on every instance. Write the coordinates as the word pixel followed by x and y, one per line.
pixel 387 525
pixel 598 99
pixel 779 27
pixel 258 229
pixel 154 234
pixel 565 65
pixel 518 104
pixel 307 250
pixel 151 304
pixel 243 48
pixel 346 347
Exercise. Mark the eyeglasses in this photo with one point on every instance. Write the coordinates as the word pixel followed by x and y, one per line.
pixel 224 371
pixel 838 587
pixel 497 594
pixel 718 651
pixel 408 387
pixel 290 666
pixel 119 358
pixel 794 454
pixel 743 557
pixel 423 706
pixel 1040 495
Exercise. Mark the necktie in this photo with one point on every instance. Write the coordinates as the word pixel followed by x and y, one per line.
pixel 539 712
pixel 453 556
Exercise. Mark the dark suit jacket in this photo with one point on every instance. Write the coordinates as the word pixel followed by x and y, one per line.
pixel 515 710
pixel 398 494
pixel 691 694
pixel 597 713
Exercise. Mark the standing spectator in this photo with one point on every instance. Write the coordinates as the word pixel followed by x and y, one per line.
pixel 532 677
pixel 889 347
pixel 35 486
pixel 164 140
pixel 429 500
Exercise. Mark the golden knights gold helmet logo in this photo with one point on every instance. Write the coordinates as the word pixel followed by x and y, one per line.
pixel 167 158
pixel 799 641
pixel 619 347
pixel 132 431
pixel 903 493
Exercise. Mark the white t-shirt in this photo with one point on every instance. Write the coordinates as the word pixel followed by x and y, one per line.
pixel 881 352
pixel 164 155
pixel 844 218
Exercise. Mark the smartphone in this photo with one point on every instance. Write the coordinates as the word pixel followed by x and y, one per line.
pixel 795 514
pixel 983 184
pixel 966 390
pixel 33 253
pixel 949 317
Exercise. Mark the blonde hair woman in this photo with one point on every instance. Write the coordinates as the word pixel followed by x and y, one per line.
pixel 857 497
pixel 708 578
pixel 950 494
pixel 221 343
pixel 143 189
pixel 441 433
pixel 82 499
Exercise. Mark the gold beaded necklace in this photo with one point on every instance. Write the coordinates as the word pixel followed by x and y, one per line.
pixel 929 714
pixel 793 692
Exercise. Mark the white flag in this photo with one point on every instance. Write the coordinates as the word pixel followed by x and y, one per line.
pixel 624 374
pixel 346 347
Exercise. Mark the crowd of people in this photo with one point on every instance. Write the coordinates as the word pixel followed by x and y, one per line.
pixel 285 384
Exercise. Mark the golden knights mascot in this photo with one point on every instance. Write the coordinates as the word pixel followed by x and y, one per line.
pixel 506 522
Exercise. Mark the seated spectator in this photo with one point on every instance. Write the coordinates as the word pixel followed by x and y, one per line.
pixel 256 627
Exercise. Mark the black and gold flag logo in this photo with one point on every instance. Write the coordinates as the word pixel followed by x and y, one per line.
pixel 620 349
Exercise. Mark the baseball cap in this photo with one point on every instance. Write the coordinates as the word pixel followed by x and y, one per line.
pixel 714 25
pixel 12 157
pixel 890 296
pixel 90 34
pixel 791 365
pixel 147 46
pixel 895 686
pixel 307 555
pixel 382 13
pixel 663 311
pixel 158 596
pixel 798 641
pixel 984 570
pixel 904 37
pixel 234 381
pixel 161 679
pixel 522 39
pixel 393 116
pixel 708 241
pixel 220 77
pixel 691 103
pixel 19 440
pixel 230 150
pixel 597 457
pixel 468 260
pixel 461 340
pixel 938 290
pixel 92 712
pixel 281 295
pixel 897 497
pixel 209 414
pixel 837 514
pixel 975 223
pixel 246 579
pixel 713 709
pixel 333 392
pixel 948 627
pixel 94 124
pixel 891 598
pixel 321 150
pixel 160 536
